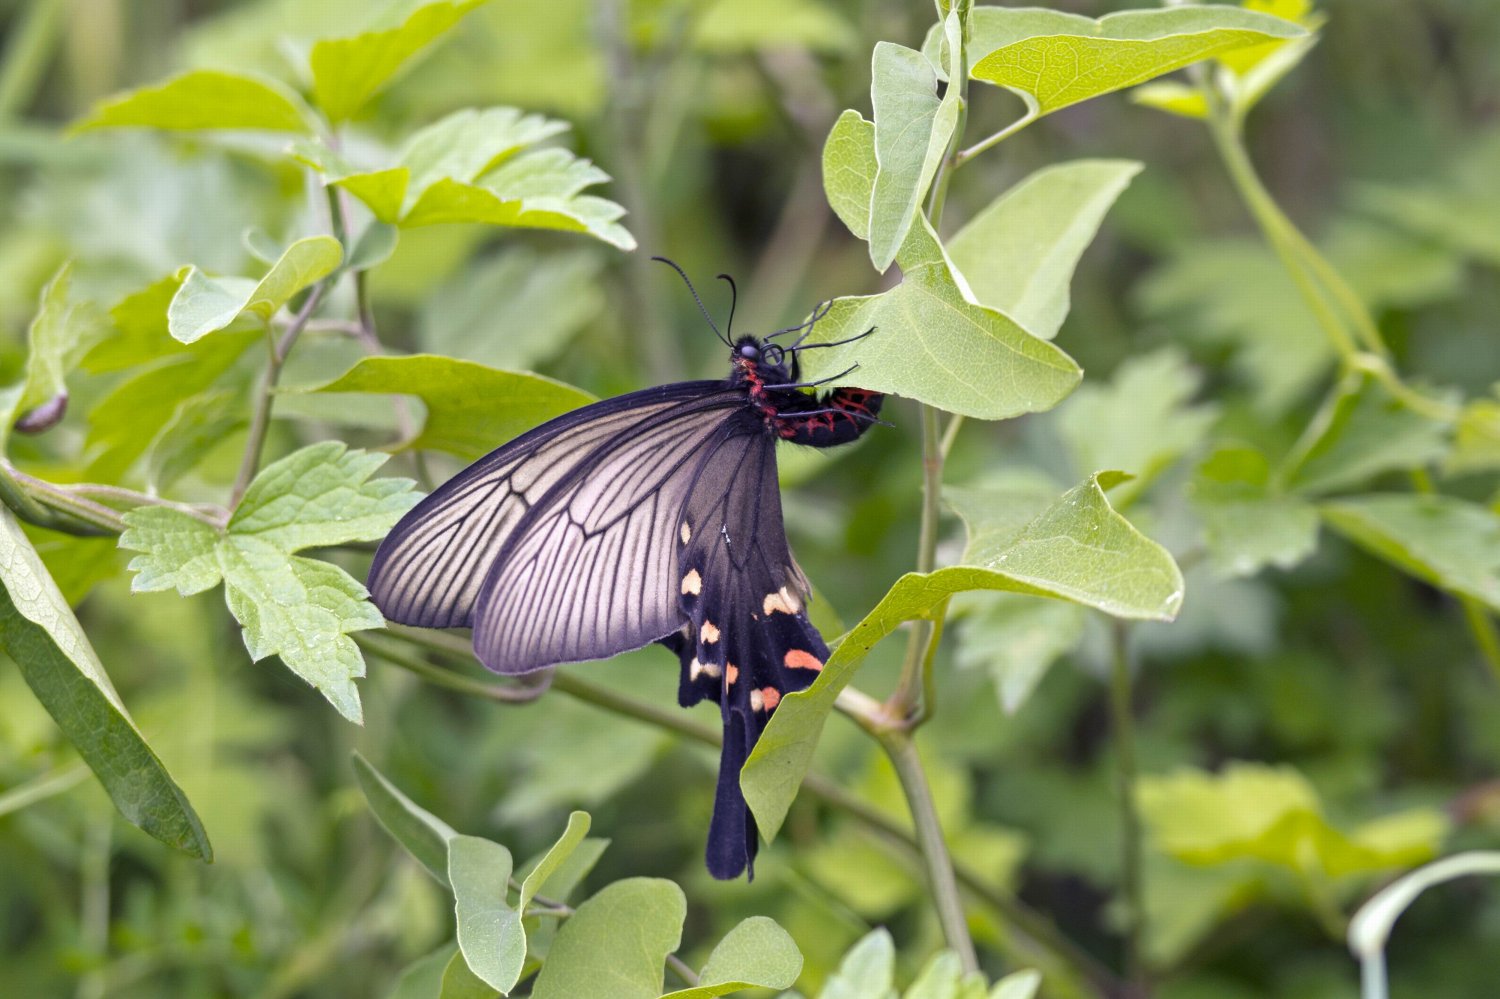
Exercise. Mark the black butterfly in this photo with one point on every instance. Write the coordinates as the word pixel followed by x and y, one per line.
pixel 651 517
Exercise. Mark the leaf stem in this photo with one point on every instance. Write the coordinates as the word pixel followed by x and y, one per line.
pixel 680 968
pixel 260 421
pixel 40 502
pixel 964 156
pixel 941 881
pixel 1122 717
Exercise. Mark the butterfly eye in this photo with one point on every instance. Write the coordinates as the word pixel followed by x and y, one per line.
pixel 749 351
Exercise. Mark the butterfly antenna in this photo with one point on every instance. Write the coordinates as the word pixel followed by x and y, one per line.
pixel 694 292
pixel 734 299
pixel 818 313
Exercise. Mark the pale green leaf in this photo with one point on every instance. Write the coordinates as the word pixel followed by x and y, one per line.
pixel 205 305
pixel 204 99
pixel 912 130
pixel 424 835
pixel 1272 814
pixel 553 860
pixel 849 169
pixel 1451 543
pixel 1175 98
pixel 1019 985
pixel 1360 432
pixel 471 408
pixel 199 423
pixel 296 608
pixel 39 632
pixel 1372 924
pixel 320 496
pixel 1015 639
pixel 374 246
pixel 939 979
pixel 1078 550
pixel 726 26
pixel 616 944
pixel 934 344
pixel 61 334
pixel 423 978
pixel 139 332
pixel 1456 209
pixel 1247 523
pixel 755 954
pixel 1053 59
pixel 1142 421
pixel 1018 253
pixel 460 982
pixel 347 72
pixel 868 971
pixel 489 929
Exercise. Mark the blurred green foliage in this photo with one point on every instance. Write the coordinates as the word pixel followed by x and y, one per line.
pixel 1318 717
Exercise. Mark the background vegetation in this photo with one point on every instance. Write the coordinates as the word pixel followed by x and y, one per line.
pixel 1190 809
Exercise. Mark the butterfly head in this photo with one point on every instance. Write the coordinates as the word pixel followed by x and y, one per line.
pixel 758 361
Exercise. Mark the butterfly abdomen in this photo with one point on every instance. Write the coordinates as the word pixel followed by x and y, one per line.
pixel 837 418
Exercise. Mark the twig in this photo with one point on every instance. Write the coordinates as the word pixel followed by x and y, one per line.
pixel 1122 717
pixel 45 504
pixel 440 677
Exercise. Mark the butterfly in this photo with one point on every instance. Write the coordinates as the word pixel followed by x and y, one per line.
pixel 650 517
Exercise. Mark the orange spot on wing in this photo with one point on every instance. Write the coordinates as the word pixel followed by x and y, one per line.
pixel 798 659
pixel 709 632
pixel 692 583
pixel 732 673
pixel 770 697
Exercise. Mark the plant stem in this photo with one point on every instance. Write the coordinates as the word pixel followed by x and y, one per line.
pixel 260 422
pixel 1043 943
pixel 1123 719
pixel 679 966
pixel 40 502
pixel 440 677
pixel 902 750
pixel 960 158
pixel 31 43
pixel 907 701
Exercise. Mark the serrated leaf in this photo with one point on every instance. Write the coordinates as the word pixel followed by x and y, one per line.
pixel 296 608
pixel 477 166
pixel 912 130
pixel 1142 421
pixel 204 305
pixel 1052 60
pixel 204 99
pixel 40 633
pixel 347 72
pixel 61 333
pixel 1248 524
pixel 1078 550
pixel 849 169
pixel 1360 432
pixel 616 944
pixel 471 408
pixel 868 970
pixel 1451 543
pixel 755 954
pixel 1272 814
pixel 1018 254
pixel 424 835
pixel 489 929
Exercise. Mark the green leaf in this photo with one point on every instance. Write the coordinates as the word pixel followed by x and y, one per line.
pixel 1360 432
pixel 374 246
pixel 476 166
pixel 849 168
pixel 59 337
pixel 1272 814
pixel 553 860
pixel 471 408
pixel 1249 524
pixel 1052 60
pixel 297 608
pixel 616 944
pixel 489 930
pixel 1018 254
pixel 934 344
pixel 1372 924
pixel 38 631
pixel 1016 640
pixel 347 72
pixel 205 305
pixel 868 971
pixel 1451 543
pixel 1454 210
pixel 755 954
pixel 1140 422
pixel 912 130
pixel 1078 550
pixel 460 982
pixel 197 425
pixel 939 979
pixel 1019 985
pixel 728 26
pixel 1476 439
pixel 423 978
pixel 204 99
pixel 424 835
pixel 1175 98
